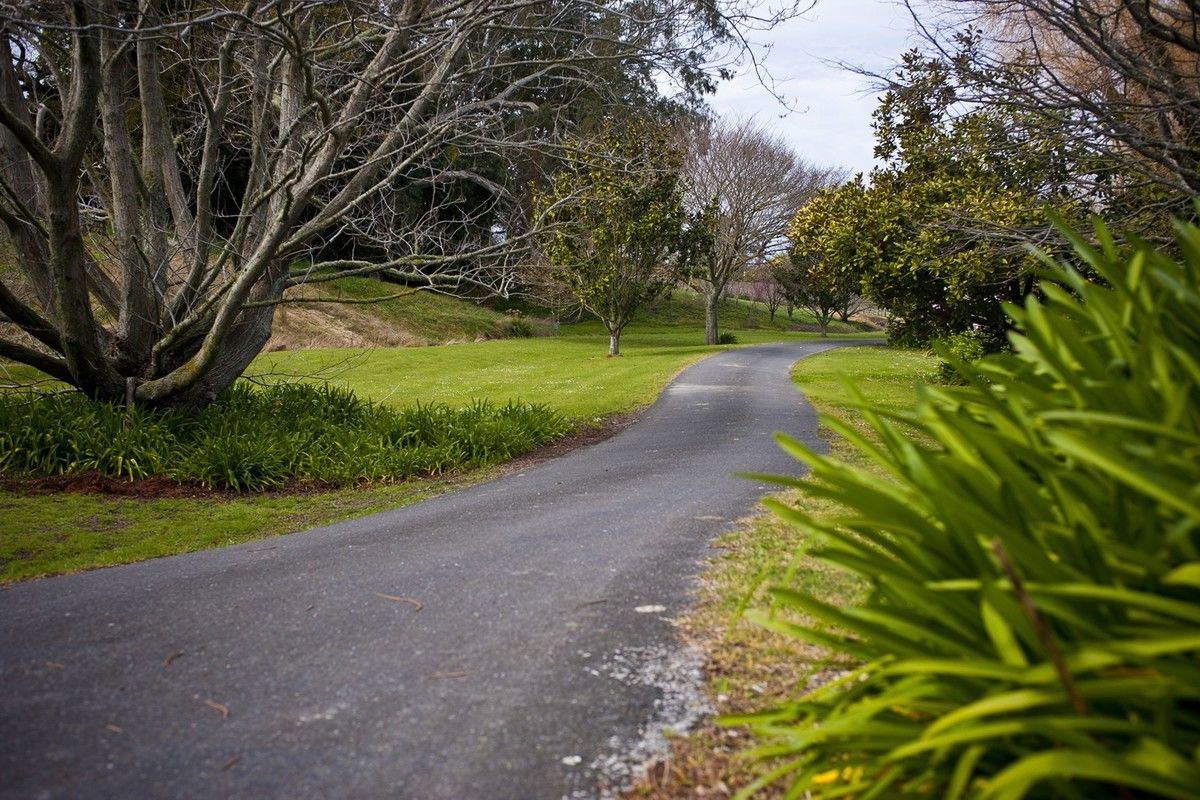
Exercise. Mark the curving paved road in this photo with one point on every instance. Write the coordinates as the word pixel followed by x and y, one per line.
pixel 294 667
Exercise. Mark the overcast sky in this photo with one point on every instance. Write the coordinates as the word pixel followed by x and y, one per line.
pixel 833 123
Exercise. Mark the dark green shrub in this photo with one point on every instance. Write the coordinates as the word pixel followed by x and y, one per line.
pixel 239 460
pixel 727 338
pixel 1033 623
pixel 260 438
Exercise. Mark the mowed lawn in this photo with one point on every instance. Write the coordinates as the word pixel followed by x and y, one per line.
pixel 45 534
pixel 571 373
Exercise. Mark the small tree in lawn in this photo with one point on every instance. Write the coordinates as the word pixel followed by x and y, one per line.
pixel 766 288
pixel 616 224
pixel 823 271
pixel 811 288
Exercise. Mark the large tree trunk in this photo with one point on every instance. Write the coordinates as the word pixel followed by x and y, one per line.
pixel 711 303
pixel 245 341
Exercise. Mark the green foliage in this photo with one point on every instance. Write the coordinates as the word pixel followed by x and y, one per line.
pixel 820 274
pixel 727 338
pixel 615 222
pixel 1034 562
pixel 252 439
pixel 939 236
pixel 958 349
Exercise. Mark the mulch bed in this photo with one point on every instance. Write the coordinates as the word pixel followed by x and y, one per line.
pixel 95 483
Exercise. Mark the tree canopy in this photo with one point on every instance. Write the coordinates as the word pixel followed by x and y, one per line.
pixel 939 235
pixel 1119 80
pixel 746 183
pixel 169 171
pixel 616 224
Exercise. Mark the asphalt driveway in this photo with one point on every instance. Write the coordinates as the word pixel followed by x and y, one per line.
pixel 510 640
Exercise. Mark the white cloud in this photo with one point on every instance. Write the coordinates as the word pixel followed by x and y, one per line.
pixel 832 125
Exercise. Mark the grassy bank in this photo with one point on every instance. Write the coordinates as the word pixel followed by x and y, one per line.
pixel 684 309
pixel 749 666
pixel 377 317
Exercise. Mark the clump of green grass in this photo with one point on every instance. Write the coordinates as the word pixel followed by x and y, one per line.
pixel 253 439
pixel 1030 628
pixel 960 348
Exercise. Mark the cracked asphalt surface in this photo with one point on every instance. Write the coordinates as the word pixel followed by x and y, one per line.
pixel 498 642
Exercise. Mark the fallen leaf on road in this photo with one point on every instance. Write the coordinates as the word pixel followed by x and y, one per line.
pixel 169 659
pixel 55 665
pixel 114 728
pixel 412 601
pixel 230 763
pixel 217 707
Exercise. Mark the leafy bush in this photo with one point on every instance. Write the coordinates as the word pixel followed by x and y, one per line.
pixel 1033 624
pixel 263 438
pixel 958 349
pixel 727 338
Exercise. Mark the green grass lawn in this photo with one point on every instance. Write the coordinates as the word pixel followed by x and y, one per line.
pixel 748 665
pixel 571 373
pixel 49 534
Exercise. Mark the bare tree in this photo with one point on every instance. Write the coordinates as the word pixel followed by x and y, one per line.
pixel 752 183
pixel 850 305
pixel 1122 78
pixel 169 170
pixel 765 289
